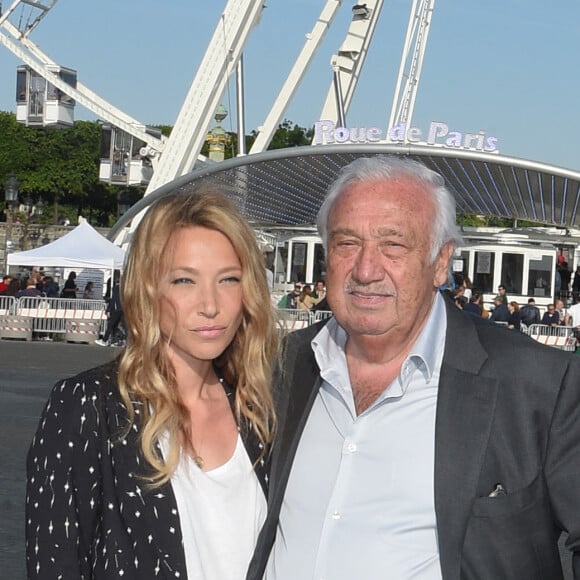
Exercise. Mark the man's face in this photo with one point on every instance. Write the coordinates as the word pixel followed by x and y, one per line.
pixel 380 280
pixel 501 290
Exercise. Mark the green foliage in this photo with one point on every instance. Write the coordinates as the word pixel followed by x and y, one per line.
pixel 165 129
pixel 290 135
pixel 484 221
pixel 61 166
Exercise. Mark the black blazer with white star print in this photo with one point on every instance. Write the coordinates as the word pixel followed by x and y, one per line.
pixel 88 512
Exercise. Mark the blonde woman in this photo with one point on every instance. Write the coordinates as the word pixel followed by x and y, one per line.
pixel 154 466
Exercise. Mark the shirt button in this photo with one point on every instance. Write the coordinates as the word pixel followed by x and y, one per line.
pixel 336 515
pixel 351 447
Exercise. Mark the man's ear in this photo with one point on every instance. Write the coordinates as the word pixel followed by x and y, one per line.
pixel 442 264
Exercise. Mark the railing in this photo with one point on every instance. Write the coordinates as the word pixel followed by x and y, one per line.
pixel 83 320
pixel 290 319
pixel 78 320
pixel 561 337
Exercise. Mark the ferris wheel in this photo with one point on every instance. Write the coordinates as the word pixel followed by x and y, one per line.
pixel 134 154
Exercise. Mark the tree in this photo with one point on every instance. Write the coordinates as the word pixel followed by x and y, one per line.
pixel 16 146
pixel 289 134
pixel 62 165
pixel 59 165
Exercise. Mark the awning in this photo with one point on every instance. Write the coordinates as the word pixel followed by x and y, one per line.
pixel 287 186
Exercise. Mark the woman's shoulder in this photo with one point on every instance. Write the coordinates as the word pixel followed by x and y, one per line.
pixel 84 390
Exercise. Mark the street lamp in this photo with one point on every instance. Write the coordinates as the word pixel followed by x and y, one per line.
pixel 39 207
pixel 11 196
pixel 11 190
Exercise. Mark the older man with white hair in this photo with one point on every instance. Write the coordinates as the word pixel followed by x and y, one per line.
pixel 410 444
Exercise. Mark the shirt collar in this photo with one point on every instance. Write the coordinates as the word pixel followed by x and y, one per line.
pixel 426 354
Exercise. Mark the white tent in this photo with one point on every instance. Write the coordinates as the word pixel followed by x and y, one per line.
pixel 83 247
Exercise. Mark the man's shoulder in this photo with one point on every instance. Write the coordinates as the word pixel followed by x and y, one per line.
pixel 497 341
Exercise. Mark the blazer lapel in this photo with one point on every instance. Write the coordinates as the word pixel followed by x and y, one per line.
pixel 465 409
pixel 300 386
pixel 296 389
pixel 150 516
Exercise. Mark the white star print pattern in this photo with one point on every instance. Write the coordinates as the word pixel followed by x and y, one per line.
pixel 89 514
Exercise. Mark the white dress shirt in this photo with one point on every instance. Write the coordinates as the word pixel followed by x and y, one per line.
pixel 360 498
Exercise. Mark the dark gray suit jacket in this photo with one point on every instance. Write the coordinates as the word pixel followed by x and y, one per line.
pixel 508 411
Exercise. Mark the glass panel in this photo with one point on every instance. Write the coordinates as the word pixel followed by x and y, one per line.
pixel 319 270
pixel 460 264
pixel 21 86
pixel 36 95
pixel 121 152
pixel 105 142
pixel 137 144
pixel 52 92
pixel 70 78
pixel 298 272
pixel 540 276
pixel 281 264
pixel 483 271
pixel 512 272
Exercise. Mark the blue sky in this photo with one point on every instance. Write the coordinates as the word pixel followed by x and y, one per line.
pixel 508 67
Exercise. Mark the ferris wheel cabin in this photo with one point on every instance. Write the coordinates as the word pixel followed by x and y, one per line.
pixel 39 103
pixel 125 160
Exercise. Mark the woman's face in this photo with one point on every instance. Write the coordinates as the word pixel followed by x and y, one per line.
pixel 200 294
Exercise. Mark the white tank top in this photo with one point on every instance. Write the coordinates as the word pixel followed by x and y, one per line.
pixel 221 513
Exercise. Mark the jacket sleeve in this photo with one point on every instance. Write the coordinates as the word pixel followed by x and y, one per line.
pixel 563 459
pixel 63 484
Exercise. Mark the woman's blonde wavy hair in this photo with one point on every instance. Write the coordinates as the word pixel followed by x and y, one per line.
pixel 146 377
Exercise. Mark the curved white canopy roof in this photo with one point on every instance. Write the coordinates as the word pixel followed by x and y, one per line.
pixel 287 186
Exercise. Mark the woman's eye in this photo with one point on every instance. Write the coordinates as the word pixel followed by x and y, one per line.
pixel 178 281
pixel 231 280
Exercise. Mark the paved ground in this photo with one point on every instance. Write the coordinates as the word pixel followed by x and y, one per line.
pixel 28 371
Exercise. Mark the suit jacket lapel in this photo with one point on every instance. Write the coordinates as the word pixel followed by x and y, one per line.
pixel 300 386
pixel 465 408
pixel 296 390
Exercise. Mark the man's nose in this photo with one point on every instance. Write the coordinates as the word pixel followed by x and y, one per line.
pixel 369 264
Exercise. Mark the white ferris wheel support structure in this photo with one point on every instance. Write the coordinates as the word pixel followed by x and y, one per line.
pixel 15 37
pixel 178 154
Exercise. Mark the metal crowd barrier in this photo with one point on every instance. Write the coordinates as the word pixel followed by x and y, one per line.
pixel 561 337
pixel 7 305
pixel 78 320
pixel 290 319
